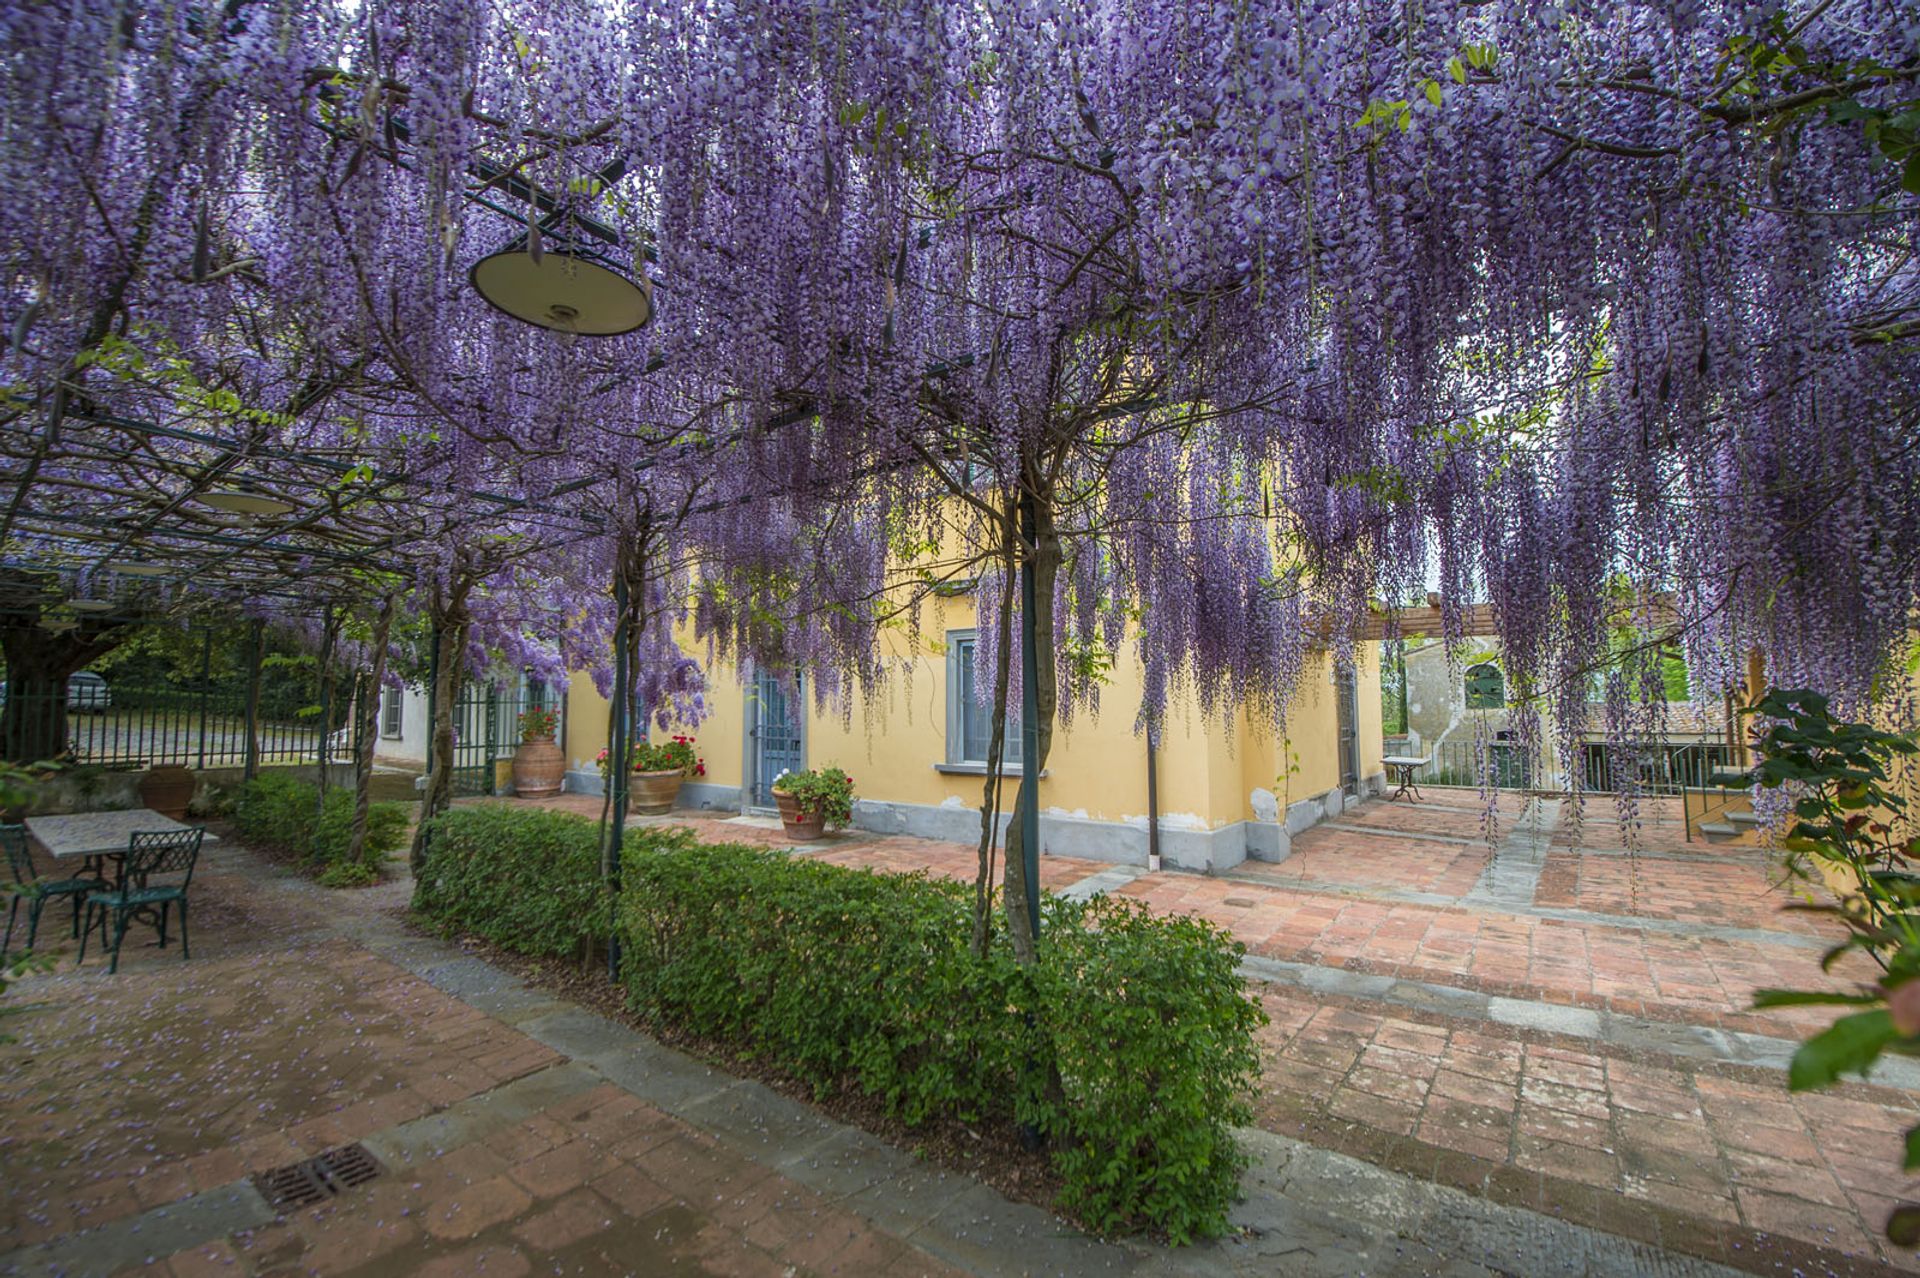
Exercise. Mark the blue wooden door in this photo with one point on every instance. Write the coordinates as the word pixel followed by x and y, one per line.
pixel 777 746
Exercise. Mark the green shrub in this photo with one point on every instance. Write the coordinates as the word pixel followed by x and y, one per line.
pixel 524 878
pixel 278 810
pixel 1130 1044
pixel 1152 1032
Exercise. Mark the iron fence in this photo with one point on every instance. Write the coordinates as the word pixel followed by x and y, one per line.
pixel 1666 769
pixel 486 731
pixel 192 727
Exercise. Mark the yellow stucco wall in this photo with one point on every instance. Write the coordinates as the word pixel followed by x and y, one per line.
pixel 891 744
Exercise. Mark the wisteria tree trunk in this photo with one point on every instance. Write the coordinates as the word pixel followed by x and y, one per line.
pixel 996 755
pixel 1046 568
pixel 329 640
pixel 366 728
pixel 452 623
pixel 33 725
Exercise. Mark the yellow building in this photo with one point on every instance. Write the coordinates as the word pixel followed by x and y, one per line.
pixel 1225 792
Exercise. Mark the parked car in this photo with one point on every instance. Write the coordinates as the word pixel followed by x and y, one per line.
pixel 85 691
pixel 89 692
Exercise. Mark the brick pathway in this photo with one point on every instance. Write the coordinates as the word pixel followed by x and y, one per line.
pixel 288 1034
pixel 277 1041
pixel 1703 1155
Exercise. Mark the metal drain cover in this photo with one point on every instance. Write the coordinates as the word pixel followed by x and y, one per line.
pixel 318 1178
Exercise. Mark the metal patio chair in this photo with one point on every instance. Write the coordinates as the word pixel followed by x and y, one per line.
pixel 36 892
pixel 150 854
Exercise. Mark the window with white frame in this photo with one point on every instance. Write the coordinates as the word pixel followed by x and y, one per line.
pixel 969 718
pixel 390 702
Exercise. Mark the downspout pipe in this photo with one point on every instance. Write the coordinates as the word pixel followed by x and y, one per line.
pixel 1153 802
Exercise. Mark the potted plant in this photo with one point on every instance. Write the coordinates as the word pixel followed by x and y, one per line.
pixel 538 765
pixel 813 800
pixel 656 771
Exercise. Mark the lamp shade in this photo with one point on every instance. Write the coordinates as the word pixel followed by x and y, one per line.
pixel 242 501
pixel 90 605
pixel 568 292
pixel 137 568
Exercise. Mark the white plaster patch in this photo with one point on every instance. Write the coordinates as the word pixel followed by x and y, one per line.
pixel 1266 805
pixel 1078 814
pixel 954 801
pixel 1181 821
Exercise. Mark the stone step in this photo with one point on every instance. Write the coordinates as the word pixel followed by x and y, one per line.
pixel 1745 816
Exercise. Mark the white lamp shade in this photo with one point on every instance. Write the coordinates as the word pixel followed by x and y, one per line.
pixel 242 502
pixel 565 293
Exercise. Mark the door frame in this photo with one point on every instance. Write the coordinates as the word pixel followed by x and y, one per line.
pixel 1346 729
pixel 750 747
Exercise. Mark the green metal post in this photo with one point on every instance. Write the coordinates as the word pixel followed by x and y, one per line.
pixel 206 674
pixel 258 654
pixel 326 712
pixel 1030 715
pixel 618 730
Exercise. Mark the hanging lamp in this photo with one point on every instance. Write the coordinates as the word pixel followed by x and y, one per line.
pixel 551 278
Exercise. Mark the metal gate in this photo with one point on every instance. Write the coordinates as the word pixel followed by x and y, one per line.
pixel 1349 710
pixel 486 731
pixel 777 744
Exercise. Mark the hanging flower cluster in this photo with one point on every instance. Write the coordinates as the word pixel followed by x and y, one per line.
pixel 1278 309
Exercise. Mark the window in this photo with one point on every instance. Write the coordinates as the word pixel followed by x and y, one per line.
pixel 1486 690
pixel 390 711
pixel 969 719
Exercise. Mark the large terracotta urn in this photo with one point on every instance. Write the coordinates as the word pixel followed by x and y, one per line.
pixel 802 827
pixel 538 768
pixel 654 793
pixel 167 788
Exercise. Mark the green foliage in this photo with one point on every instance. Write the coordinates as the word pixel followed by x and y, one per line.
pixel 825 792
pixel 1847 816
pixel 677 755
pixel 1779 67
pixel 1152 1034
pixel 525 878
pixel 279 811
pixel 538 723
pixel 1129 1045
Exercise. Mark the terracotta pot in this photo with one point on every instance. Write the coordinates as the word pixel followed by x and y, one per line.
pixel 538 768
pixel 652 793
pixel 802 827
pixel 167 789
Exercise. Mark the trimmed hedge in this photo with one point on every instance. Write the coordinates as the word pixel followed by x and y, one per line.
pixel 1130 1044
pixel 277 810
pixel 525 878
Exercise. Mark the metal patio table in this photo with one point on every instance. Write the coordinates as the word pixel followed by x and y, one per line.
pixel 1406 768
pixel 93 837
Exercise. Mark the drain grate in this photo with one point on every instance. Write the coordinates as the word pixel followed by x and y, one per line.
pixel 318 1178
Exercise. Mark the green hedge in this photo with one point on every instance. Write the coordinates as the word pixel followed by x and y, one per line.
pixel 526 878
pixel 278 811
pixel 1130 1045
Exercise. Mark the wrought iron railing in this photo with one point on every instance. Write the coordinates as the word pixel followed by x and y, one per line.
pixel 1605 767
pixel 106 724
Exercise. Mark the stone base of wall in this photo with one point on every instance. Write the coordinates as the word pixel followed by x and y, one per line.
pixel 1121 842
pixel 84 790
pixel 701 796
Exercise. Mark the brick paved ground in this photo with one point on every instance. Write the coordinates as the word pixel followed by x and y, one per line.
pixel 279 1040
pixel 1635 920
pixel 285 1036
